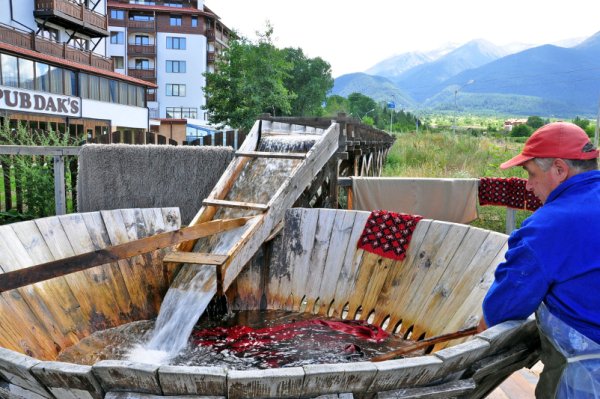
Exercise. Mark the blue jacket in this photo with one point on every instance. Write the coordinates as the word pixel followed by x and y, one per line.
pixel 555 258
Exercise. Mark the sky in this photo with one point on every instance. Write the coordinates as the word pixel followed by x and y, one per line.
pixel 354 35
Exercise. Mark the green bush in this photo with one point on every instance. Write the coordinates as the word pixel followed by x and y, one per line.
pixel 33 174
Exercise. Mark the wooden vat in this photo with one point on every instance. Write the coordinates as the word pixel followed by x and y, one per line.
pixel 314 266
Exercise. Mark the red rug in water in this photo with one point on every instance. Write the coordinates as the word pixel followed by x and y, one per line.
pixel 388 233
pixel 266 342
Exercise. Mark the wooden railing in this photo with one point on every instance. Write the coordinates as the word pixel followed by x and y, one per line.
pixel 143 49
pixel 142 25
pixel 29 41
pixel 74 10
pixel 142 73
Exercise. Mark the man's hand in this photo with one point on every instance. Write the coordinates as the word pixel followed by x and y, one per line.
pixel 481 326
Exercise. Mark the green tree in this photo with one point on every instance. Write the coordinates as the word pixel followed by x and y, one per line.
pixel 249 80
pixel 359 104
pixel 521 131
pixel 310 80
pixel 335 104
pixel 535 122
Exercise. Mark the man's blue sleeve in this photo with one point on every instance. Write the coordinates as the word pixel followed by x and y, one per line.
pixel 520 285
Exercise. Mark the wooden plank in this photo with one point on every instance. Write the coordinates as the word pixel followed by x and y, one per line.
pixel 398 280
pixel 236 204
pixel 185 380
pixel 67 380
pixel 439 286
pixel 100 239
pixel 338 246
pixel 350 266
pixel 15 368
pixel 402 373
pixel 195 257
pixel 69 315
pixel 447 390
pixel 30 318
pixel 318 256
pixel 38 150
pixel 262 154
pixel 460 356
pixel 127 249
pixel 118 375
pixel 105 311
pixel 459 282
pixel 269 383
pixel 334 378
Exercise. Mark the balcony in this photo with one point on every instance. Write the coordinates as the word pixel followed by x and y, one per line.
pixel 211 56
pixel 73 16
pixel 29 41
pixel 141 49
pixel 146 74
pixel 142 26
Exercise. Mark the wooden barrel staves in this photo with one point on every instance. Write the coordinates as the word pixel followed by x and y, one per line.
pixel 436 289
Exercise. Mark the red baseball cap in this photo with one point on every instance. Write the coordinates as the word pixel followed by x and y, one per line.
pixel 555 140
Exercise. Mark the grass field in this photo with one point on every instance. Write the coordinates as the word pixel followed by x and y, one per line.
pixel 445 155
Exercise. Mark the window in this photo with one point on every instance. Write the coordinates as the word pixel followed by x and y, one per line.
pixel 10 70
pixel 104 90
pixel 118 62
pixel 175 90
pixel 173 4
pixel 175 20
pixel 176 66
pixel 176 43
pixel 48 33
pixel 114 91
pixel 142 63
pixel 81 44
pixel 117 14
pixel 56 80
pixel 182 113
pixel 142 40
pixel 141 17
pixel 70 82
pixel 145 2
pixel 26 74
pixel 194 22
pixel 94 93
pixel 117 37
pixel 123 93
pixel 84 85
pixel 42 77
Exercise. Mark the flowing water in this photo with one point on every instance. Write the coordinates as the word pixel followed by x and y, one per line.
pixel 193 288
pixel 248 340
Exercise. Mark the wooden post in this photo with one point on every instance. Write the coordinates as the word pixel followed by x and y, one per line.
pixel 59 185
pixel 510 220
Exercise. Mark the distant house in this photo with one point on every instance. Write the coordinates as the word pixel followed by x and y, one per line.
pixel 510 123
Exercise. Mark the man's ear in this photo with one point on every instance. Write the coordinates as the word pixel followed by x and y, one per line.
pixel 562 169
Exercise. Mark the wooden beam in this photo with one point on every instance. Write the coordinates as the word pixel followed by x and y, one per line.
pixel 259 154
pixel 236 204
pixel 199 258
pixel 38 150
pixel 45 271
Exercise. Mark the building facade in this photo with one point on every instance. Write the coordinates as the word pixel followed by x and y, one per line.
pixel 171 43
pixel 54 73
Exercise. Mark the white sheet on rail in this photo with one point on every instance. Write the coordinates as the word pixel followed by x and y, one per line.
pixel 451 200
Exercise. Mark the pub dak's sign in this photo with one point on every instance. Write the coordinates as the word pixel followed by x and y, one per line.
pixel 15 99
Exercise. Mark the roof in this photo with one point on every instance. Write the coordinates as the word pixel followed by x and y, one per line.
pixel 74 65
pixel 146 7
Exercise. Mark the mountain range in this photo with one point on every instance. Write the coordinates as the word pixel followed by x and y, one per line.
pixel 549 80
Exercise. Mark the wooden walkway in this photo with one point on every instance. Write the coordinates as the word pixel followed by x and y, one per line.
pixel 520 385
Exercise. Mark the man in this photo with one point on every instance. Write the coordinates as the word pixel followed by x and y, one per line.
pixel 553 261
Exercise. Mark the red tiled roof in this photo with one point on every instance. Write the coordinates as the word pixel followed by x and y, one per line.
pixel 75 65
pixel 146 7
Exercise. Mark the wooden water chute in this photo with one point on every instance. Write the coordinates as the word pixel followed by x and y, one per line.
pixel 240 192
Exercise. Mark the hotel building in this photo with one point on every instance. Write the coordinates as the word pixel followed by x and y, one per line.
pixel 55 73
pixel 170 43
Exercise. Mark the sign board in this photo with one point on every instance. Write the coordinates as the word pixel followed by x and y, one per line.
pixel 391 105
pixel 16 99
